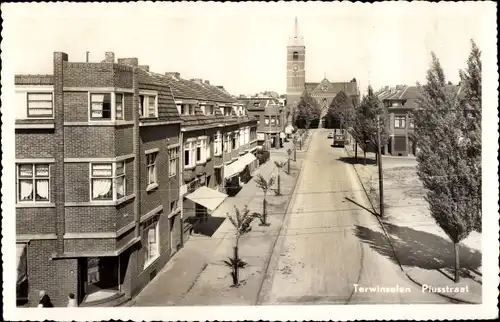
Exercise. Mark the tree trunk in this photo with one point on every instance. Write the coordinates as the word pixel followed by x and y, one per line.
pixel 294 153
pixel 279 183
pixel 264 209
pixel 236 268
pixel 364 154
pixel 356 151
pixel 457 263
pixel 288 165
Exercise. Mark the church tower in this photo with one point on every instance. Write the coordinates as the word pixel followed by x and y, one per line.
pixel 295 67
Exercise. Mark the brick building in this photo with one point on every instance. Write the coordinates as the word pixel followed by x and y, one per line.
pixel 217 138
pixel 323 91
pixel 270 117
pixel 400 101
pixel 99 175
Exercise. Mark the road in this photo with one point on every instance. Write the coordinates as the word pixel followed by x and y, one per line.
pixel 329 244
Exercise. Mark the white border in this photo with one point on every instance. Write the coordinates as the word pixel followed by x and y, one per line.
pixel 338 312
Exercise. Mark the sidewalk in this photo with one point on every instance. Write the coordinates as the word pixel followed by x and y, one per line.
pixel 196 275
pixel 420 246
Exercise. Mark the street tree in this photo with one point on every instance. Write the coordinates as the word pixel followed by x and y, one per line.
pixel 470 101
pixel 340 111
pixel 365 122
pixel 265 186
pixel 443 164
pixel 242 224
pixel 280 165
pixel 308 111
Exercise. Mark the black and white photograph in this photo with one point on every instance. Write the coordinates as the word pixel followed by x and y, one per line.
pixel 249 161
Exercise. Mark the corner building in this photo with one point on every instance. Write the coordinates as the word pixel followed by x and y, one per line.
pixel 101 175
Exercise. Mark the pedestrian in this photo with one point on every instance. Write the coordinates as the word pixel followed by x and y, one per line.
pixel 72 300
pixel 44 300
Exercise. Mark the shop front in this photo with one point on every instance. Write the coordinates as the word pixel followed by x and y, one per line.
pixel 98 279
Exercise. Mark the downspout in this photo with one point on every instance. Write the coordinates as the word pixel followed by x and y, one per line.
pixel 137 160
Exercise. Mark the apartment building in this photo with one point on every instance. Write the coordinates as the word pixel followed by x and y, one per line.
pixel 97 180
pixel 218 139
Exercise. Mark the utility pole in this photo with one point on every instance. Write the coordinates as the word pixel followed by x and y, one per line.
pixel 380 175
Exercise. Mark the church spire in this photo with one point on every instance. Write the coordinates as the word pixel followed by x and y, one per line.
pixel 296 39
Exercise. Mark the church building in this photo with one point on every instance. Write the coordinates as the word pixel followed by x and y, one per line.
pixel 323 91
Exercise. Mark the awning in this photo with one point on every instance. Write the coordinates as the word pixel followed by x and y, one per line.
pixel 21 262
pixel 247 159
pixel 233 169
pixel 208 198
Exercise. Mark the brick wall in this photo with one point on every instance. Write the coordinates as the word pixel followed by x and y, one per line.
pixel 88 74
pixel 89 142
pixel 123 138
pixel 35 221
pixel 41 272
pixel 28 144
pixel 76 106
pixel 90 219
pixel 90 245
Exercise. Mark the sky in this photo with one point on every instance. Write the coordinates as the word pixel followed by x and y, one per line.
pixel 242 46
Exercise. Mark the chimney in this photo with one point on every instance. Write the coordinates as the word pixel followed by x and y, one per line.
pixel 197 80
pixel 207 82
pixel 109 57
pixel 173 74
pixel 144 67
pixel 129 61
pixel 87 54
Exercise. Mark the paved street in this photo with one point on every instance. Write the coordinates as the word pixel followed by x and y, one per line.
pixel 326 245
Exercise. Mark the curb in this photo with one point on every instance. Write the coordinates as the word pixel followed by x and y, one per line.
pixel 389 239
pixel 258 300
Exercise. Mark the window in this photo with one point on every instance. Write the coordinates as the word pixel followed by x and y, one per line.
pixel 40 105
pixel 217 143
pixel 33 182
pixel 151 166
pixel 107 181
pixel 234 141
pixel 207 143
pixel 189 154
pixel 173 161
pixel 242 137
pixel 150 240
pixel 295 55
pixel 147 106
pixel 272 120
pixel 399 122
pixel 227 142
pixel 100 106
pixel 201 149
pixel 247 135
pixel 119 106
pixel 411 124
pixel 266 120
pixel 209 109
pixel 277 120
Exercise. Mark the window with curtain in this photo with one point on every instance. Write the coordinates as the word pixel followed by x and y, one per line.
pixel 227 142
pixel 40 105
pixel 150 240
pixel 207 148
pixel 148 106
pixel 151 166
pixel 33 182
pixel 173 161
pixel 100 106
pixel 199 151
pixel 102 181
pixel 119 106
pixel 242 137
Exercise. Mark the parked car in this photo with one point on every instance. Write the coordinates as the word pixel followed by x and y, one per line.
pixel 339 138
pixel 330 135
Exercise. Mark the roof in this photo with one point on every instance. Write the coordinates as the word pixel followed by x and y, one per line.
pixel 350 88
pixel 408 94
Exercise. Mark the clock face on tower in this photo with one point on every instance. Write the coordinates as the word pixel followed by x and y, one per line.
pixel 295 67
pixel 324 88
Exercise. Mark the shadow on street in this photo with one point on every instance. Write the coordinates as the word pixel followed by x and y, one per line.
pixel 421 249
pixel 352 160
pixel 208 227
pixel 361 206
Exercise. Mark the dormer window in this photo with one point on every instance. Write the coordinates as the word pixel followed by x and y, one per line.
pixel 295 55
pixel 209 110
pixel 148 106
